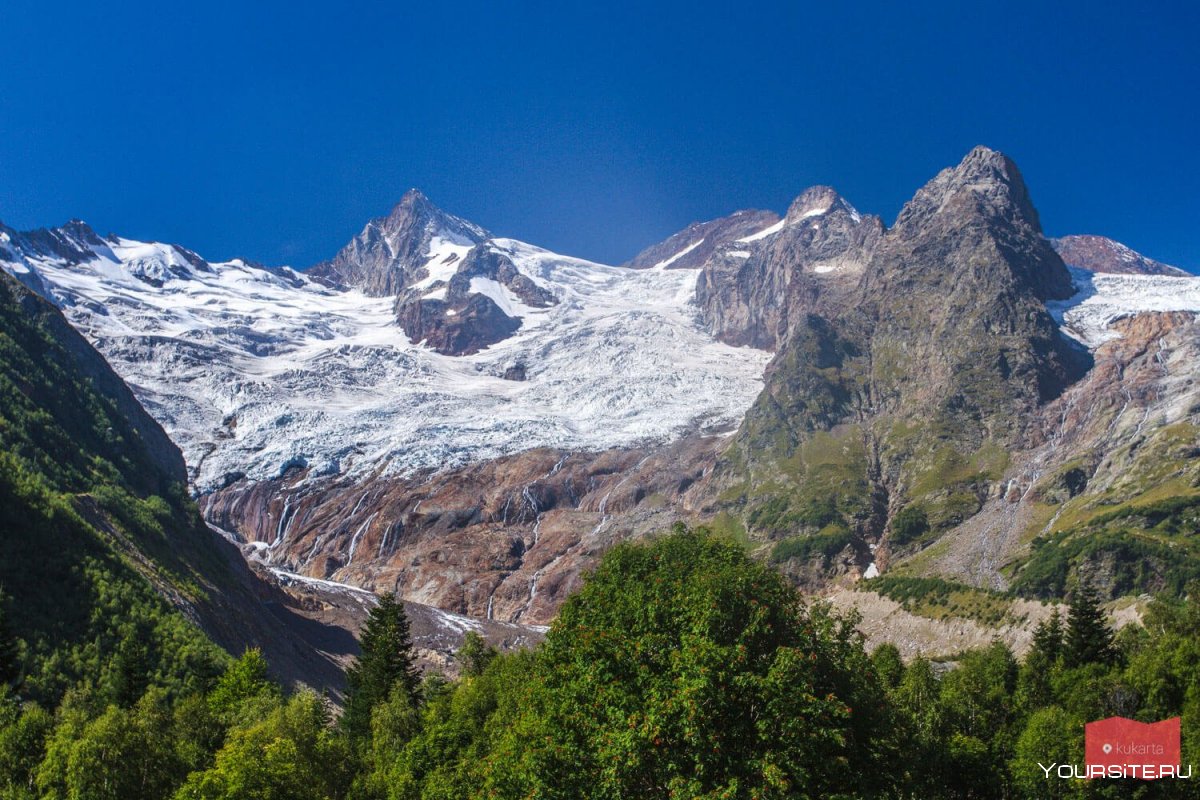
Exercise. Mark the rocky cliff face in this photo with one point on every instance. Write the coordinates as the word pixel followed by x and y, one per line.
pixel 913 390
pixel 692 247
pixel 751 290
pixel 506 539
pixel 1100 254
pixel 392 252
pixel 462 315
pixel 1113 487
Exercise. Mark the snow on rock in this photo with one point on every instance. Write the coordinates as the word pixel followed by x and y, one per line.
pixel 253 371
pixel 1102 299
pixel 765 232
pixel 669 261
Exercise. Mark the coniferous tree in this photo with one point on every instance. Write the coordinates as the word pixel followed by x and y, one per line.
pixel 131 671
pixel 1089 639
pixel 385 662
pixel 1048 637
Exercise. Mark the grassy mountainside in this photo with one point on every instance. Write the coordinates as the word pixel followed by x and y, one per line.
pixel 107 568
pixel 95 524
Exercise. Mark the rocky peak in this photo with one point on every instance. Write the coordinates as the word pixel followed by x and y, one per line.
pixel 979 216
pixel 751 292
pixel 455 318
pixel 390 251
pixel 73 242
pixel 818 201
pixel 80 231
pixel 1101 254
pixel 986 181
pixel 695 244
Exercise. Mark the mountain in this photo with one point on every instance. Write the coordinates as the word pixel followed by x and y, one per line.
pixel 392 252
pixel 750 289
pixel 1099 254
pixel 472 420
pixel 914 391
pixel 695 244
pixel 255 372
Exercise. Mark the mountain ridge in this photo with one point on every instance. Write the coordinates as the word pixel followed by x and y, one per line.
pixel 910 345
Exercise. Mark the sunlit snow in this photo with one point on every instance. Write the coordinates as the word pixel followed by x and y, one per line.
pixel 1102 299
pixel 253 371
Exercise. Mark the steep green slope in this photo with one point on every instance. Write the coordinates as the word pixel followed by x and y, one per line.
pixel 96 530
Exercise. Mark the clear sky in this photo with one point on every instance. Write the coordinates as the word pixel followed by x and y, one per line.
pixel 275 130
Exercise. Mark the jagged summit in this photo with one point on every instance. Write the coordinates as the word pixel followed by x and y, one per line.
pixel 385 257
pixel 986 179
pixel 816 201
pixel 691 247
pixel 978 216
pixel 1101 254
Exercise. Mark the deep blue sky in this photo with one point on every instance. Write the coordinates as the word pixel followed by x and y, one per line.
pixel 276 132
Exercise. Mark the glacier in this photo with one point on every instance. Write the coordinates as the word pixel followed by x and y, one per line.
pixel 253 371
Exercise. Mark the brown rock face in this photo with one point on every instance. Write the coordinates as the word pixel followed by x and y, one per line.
pixel 1100 254
pixel 751 292
pixel 1127 427
pixel 466 327
pixel 694 245
pixel 465 322
pixel 502 540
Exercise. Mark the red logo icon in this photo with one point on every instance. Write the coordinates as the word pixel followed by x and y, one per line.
pixel 1119 747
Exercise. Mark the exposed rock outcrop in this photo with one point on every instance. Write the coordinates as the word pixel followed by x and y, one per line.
pixel 694 245
pixel 391 252
pixel 1101 254
pixel 503 540
pixel 752 291
pixel 461 316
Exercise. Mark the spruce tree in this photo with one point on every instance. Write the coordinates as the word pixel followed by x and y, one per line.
pixel 1048 637
pixel 1089 639
pixel 384 663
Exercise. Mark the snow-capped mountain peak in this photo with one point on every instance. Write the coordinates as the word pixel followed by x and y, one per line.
pixel 254 371
pixel 394 251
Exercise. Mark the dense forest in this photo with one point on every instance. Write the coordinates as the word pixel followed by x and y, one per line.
pixel 682 669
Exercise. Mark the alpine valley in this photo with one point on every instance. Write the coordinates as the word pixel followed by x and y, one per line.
pixel 953 400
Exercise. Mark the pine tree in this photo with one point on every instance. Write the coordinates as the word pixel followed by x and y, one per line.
pixel 384 663
pixel 1048 637
pixel 1089 639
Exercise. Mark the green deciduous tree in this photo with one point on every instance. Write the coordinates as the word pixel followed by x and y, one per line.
pixel 1051 736
pixel 474 654
pixel 684 669
pixel 293 754
pixel 23 732
pixel 122 753
pixel 245 683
